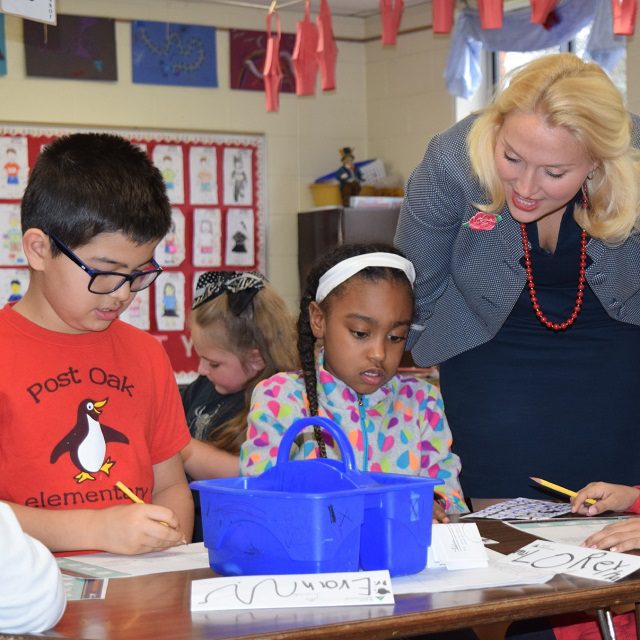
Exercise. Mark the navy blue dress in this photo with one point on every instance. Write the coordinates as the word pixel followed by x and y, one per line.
pixel 582 381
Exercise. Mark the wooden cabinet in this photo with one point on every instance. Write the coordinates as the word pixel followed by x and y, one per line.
pixel 322 229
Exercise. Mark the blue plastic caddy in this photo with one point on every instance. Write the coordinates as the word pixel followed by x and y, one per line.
pixel 316 516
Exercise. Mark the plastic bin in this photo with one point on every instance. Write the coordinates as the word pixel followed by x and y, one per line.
pixel 316 516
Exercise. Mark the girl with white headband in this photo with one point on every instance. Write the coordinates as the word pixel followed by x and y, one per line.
pixel 355 314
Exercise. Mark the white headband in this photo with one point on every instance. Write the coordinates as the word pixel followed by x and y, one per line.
pixel 349 267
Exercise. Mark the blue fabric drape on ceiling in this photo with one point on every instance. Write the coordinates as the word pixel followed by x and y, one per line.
pixel 463 73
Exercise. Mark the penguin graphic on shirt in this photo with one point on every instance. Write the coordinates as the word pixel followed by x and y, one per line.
pixel 86 443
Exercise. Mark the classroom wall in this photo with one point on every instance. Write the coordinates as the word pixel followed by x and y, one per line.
pixel 301 140
pixel 389 101
pixel 407 101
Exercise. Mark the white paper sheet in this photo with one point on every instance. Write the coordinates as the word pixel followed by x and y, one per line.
pixel 498 573
pixel 110 565
pixel 595 564
pixel 285 591
pixel 456 546
pixel 565 530
pixel 522 509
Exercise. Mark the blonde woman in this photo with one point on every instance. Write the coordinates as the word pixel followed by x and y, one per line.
pixel 522 224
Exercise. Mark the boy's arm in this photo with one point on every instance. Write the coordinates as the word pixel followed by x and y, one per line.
pixel 127 529
pixel 172 491
pixel 203 461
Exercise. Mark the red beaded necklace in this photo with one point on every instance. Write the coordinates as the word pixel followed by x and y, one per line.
pixel 555 326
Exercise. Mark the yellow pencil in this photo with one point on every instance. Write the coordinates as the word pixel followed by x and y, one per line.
pixel 133 497
pixel 559 489
pixel 127 492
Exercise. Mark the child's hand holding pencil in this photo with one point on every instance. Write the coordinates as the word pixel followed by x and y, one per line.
pixel 598 497
pixel 155 541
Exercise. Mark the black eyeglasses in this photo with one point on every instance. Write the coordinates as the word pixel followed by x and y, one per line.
pixel 110 281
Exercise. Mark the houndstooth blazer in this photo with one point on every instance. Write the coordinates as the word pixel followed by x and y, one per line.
pixel 468 281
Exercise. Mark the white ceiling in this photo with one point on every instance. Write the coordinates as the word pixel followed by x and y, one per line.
pixel 352 8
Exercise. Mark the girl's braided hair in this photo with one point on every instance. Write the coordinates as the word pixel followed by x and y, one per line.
pixel 306 339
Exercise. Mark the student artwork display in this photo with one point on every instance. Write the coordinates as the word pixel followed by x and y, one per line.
pixel 13 167
pixel 168 158
pixel 78 48
pixel 11 246
pixel 240 239
pixel 173 54
pixel 237 176
pixel 137 313
pixel 170 301
pixel 247 52
pixel 13 284
pixel 203 172
pixel 207 236
pixel 215 183
pixel 3 48
pixel 171 250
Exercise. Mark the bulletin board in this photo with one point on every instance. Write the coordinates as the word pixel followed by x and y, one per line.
pixel 216 185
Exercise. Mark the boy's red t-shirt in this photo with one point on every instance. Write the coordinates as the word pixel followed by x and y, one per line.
pixel 79 412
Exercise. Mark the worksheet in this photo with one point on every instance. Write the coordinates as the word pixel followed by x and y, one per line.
pixel 565 530
pixel 523 509
pixel 111 565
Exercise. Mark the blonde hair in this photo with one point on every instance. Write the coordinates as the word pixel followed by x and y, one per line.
pixel 267 325
pixel 567 92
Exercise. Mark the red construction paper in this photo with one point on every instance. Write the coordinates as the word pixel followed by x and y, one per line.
pixel 272 72
pixel 490 14
pixel 390 14
pixel 442 15
pixel 327 49
pixel 305 55
pixel 624 17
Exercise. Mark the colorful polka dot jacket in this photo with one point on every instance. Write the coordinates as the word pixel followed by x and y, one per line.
pixel 401 426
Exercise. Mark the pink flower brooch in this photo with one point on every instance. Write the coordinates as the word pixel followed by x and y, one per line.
pixel 482 221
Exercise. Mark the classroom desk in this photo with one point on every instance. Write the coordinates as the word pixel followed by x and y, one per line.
pixel 158 607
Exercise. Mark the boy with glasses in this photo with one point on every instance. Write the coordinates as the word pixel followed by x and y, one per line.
pixel 86 399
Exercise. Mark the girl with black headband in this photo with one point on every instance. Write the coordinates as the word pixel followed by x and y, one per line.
pixel 242 332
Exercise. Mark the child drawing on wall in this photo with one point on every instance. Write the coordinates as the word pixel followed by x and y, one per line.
pixel 238 178
pixel 11 166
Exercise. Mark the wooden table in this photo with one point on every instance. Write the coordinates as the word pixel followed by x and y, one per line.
pixel 158 607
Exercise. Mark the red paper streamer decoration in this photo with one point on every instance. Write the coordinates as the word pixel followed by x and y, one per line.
pixel 442 15
pixel 624 17
pixel 391 14
pixel 540 10
pixel 305 55
pixel 490 14
pixel 327 49
pixel 272 72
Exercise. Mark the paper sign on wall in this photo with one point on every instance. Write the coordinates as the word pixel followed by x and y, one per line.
pixel 38 10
